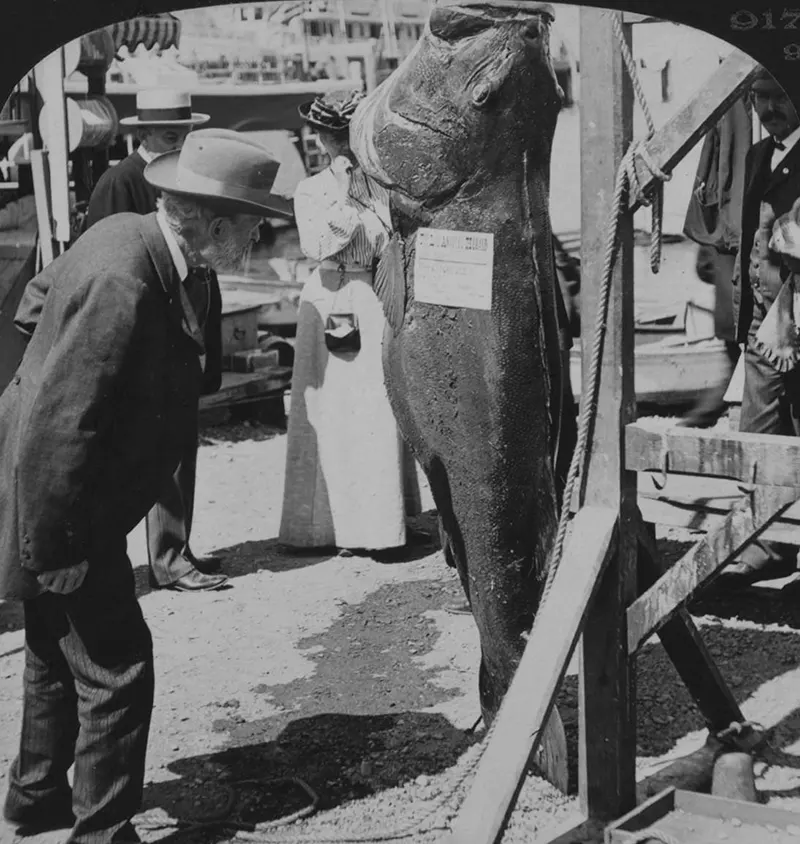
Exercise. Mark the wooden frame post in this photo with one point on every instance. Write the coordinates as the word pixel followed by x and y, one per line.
pixel 607 782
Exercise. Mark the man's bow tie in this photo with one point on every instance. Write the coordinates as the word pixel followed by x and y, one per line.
pixel 778 144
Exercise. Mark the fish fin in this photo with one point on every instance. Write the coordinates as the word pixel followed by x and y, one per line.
pixel 390 282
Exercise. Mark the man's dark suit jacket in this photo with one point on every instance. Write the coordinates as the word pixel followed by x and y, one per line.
pixel 779 188
pixel 123 187
pixel 93 424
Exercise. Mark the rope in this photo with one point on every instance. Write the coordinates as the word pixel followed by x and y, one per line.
pixel 657 202
pixel 589 399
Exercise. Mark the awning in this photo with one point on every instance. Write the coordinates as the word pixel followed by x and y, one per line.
pixel 164 30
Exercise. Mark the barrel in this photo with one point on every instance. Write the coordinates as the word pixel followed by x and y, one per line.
pixel 91 122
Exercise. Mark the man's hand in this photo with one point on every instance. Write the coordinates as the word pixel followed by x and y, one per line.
pixel 341 166
pixel 63 581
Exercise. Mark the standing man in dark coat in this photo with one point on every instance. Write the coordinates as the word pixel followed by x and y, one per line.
pixel 163 120
pixel 92 426
pixel 771 398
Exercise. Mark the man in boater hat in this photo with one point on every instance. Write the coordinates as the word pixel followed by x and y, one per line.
pixel 162 122
pixel 92 427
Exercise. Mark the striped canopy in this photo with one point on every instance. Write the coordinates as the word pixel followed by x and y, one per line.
pixel 164 30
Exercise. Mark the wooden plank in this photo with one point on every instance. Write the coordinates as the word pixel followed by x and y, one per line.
pixel 645 815
pixel 673 141
pixel 711 806
pixel 240 386
pixel 745 521
pixel 700 503
pixel 752 458
pixel 40 170
pixel 529 700
pixel 583 832
pixel 701 676
pixel 49 75
pixel 633 17
pixel 685 646
pixel 607 732
pixel 688 816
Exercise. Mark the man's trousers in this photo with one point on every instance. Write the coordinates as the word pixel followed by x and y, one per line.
pixel 169 521
pixel 88 699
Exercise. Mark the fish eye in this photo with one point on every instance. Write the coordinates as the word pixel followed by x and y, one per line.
pixel 481 93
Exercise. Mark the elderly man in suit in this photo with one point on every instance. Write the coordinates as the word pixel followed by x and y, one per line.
pixel 771 398
pixel 92 426
pixel 163 120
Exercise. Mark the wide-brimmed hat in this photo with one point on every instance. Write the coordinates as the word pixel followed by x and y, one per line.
pixel 223 169
pixel 332 111
pixel 164 107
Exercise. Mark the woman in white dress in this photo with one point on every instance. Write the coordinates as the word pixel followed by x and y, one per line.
pixel 346 463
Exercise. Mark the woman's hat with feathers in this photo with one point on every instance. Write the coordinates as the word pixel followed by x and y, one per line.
pixel 332 111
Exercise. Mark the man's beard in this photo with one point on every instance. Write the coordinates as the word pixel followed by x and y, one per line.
pixel 229 257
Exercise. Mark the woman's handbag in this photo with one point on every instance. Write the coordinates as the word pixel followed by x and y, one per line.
pixel 342 333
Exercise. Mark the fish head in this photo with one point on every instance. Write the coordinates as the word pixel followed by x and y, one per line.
pixel 476 93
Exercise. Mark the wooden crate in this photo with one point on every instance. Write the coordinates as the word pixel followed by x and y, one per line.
pixel 693 818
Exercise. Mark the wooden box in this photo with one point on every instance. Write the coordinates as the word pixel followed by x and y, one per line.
pixel 693 818
pixel 239 327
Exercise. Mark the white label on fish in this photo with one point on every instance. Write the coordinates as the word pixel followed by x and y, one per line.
pixel 454 268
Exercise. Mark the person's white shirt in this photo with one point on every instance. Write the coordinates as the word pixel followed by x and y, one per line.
pixel 147 156
pixel 172 244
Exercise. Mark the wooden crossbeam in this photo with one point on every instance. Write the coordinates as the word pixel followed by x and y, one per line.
pixel 529 700
pixel 765 459
pixel 747 519
pixel 673 141
pixel 701 504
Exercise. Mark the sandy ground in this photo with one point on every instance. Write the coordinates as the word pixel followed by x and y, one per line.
pixel 349 674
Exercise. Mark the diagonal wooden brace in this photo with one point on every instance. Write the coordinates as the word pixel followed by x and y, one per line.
pixel 529 700
pixel 670 144
pixel 747 519
pixel 686 649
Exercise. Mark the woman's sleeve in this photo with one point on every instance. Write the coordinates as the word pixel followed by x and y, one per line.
pixel 325 222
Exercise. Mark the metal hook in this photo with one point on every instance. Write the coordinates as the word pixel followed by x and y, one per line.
pixel 660 484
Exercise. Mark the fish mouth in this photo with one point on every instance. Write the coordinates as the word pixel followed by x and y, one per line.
pixel 405 120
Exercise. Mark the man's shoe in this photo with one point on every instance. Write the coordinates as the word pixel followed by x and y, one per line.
pixel 207 565
pixel 43 818
pixel 748 573
pixel 196 581
pixel 417 537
